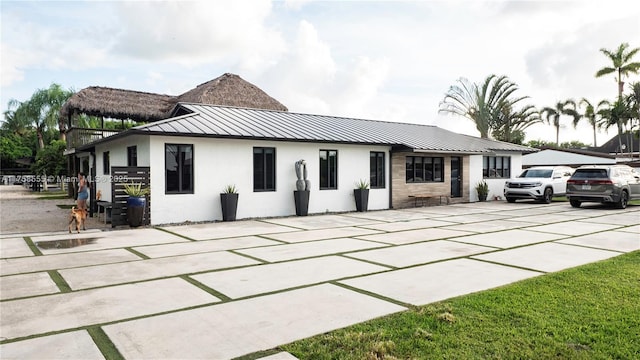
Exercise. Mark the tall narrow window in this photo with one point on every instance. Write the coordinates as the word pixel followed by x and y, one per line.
pixel 376 170
pixel 106 166
pixel 496 167
pixel 178 163
pixel 132 156
pixel 328 169
pixel 264 169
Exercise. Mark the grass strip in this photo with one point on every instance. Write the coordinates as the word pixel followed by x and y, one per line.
pixel 33 247
pixel 104 344
pixel 175 234
pixel 205 288
pixel 60 282
pixel 137 253
pixel 588 312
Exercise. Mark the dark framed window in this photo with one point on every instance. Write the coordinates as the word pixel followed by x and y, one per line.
pixel 376 169
pixel 178 165
pixel 264 169
pixel 106 166
pixel 496 167
pixel 328 169
pixel 420 169
pixel 132 156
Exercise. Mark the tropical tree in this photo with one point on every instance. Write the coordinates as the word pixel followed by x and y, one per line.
pixel 632 101
pixel 616 114
pixel 509 125
pixel 623 66
pixel 12 123
pixel 41 110
pixel 552 115
pixel 480 103
pixel 56 97
pixel 50 160
pixel 591 115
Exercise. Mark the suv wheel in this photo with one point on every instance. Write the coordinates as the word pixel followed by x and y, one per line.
pixel 624 199
pixel 511 200
pixel 548 195
pixel 575 203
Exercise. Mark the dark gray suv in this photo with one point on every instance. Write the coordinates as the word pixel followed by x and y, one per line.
pixel 615 184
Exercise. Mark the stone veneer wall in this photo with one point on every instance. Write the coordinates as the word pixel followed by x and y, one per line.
pixel 401 189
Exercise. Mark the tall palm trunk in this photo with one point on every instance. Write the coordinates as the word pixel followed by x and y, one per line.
pixel 619 121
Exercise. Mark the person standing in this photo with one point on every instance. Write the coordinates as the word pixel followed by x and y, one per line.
pixel 83 191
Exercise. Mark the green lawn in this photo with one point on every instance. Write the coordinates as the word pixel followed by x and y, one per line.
pixel 589 312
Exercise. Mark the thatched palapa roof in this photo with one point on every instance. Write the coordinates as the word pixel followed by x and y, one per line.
pixel 228 90
pixel 231 90
pixel 119 104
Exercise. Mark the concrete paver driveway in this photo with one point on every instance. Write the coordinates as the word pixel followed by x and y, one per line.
pixel 223 290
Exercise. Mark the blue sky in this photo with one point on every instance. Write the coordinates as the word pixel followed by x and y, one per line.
pixel 386 60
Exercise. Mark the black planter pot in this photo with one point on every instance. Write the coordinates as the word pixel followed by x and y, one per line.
pixel 301 198
pixel 362 199
pixel 229 204
pixel 135 210
pixel 482 197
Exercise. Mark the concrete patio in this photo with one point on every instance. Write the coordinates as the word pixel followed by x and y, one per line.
pixel 224 290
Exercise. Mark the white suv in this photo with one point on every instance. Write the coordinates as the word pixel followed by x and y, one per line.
pixel 539 182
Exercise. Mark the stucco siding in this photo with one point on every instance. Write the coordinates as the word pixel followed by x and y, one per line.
pixel 118 157
pixel 222 162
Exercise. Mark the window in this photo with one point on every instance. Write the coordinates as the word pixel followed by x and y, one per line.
pixel 132 156
pixel 376 170
pixel 264 169
pixel 421 169
pixel 178 164
pixel 328 169
pixel 496 167
pixel 106 167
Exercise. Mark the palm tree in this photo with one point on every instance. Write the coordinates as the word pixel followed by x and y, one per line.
pixel 480 103
pixel 615 114
pixel 591 113
pixel 56 97
pixel 622 65
pixel 633 103
pixel 510 125
pixel 41 110
pixel 552 115
pixel 11 123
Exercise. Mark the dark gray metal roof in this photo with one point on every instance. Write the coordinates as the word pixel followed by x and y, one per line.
pixel 222 121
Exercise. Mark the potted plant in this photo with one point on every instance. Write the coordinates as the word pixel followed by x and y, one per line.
pixel 229 202
pixel 361 193
pixel 482 188
pixel 135 203
pixel 303 186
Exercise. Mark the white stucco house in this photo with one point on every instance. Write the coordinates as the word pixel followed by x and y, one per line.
pixel 200 149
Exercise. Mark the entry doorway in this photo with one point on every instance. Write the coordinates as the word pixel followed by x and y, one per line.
pixel 456 176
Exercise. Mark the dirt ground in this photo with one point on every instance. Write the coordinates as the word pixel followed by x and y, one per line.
pixel 24 211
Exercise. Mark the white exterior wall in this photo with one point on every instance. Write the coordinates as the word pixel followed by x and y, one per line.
pixel 222 162
pixel 496 186
pixel 118 157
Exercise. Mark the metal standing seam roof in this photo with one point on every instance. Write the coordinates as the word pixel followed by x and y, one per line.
pixel 224 121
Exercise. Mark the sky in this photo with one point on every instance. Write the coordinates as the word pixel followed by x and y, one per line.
pixel 379 60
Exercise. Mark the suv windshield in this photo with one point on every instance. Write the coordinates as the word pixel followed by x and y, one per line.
pixel 536 173
pixel 590 174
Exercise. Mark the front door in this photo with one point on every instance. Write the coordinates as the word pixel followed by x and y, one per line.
pixel 456 176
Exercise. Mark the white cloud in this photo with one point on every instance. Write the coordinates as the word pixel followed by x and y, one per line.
pixel 197 32
pixel 296 4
